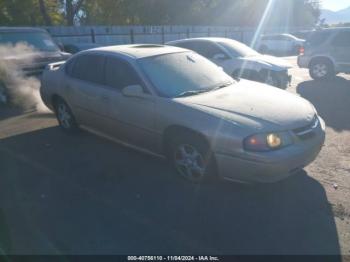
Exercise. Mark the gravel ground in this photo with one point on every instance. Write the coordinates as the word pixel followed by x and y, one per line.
pixel 332 167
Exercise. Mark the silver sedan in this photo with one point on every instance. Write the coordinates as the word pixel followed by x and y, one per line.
pixel 175 103
pixel 239 60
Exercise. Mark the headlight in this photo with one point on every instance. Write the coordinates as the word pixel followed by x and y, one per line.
pixel 267 142
pixel 273 140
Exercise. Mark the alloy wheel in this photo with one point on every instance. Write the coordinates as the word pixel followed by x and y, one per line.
pixel 320 70
pixel 189 162
pixel 64 115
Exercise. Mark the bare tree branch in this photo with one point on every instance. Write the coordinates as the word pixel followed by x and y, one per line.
pixel 44 13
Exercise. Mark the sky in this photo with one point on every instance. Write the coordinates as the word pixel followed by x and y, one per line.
pixel 335 5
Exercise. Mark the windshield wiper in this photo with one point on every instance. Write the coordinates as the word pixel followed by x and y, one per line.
pixel 196 92
pixel 192 92
pixel 222 86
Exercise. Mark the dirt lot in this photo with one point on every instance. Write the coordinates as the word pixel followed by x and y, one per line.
pixel 62 194
pixel 332 167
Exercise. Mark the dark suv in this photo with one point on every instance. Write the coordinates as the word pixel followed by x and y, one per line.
pixel 326 53
pixel 43 50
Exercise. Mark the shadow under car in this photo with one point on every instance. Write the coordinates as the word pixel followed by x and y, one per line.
pixel 63 194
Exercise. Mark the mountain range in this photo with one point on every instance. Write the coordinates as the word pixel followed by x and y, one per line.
pixel 335 17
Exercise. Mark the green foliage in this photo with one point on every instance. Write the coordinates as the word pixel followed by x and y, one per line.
pixel 159 12
pixel 28 12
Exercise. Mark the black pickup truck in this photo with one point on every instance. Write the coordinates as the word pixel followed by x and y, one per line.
pixel 43 50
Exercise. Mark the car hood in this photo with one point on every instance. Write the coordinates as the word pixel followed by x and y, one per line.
pixel 267 61
pixel 37 57
pixel 256 105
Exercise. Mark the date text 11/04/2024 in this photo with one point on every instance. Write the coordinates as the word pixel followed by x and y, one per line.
pixel 173 258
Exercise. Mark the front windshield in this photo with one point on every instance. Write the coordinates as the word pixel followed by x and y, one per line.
pixel 39 40
pixel 237 49
pixel 183 73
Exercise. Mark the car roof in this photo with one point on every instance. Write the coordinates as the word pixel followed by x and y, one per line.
pixel 282 34
pixel 212 39
pixel 7 29
pixel 218 40
pixel 137 51
pixel 92 45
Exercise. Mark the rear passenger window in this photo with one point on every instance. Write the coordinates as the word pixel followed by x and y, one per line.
pixel 342 39
pixel 120 74
pixel 318 38
pixel 89 68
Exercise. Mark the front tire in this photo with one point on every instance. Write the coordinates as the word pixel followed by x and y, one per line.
pixel 3 94
pixel 321 69
pixel 192 158
pixel 65 116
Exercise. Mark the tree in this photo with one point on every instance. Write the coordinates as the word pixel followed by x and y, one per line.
pixel 71 10
pixel 287 13
pixel 201 12
pixel 44 13
pixel 29 12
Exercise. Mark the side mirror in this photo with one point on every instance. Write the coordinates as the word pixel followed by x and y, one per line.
pixel 133 91
pixel 220 56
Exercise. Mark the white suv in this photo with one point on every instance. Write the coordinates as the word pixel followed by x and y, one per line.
pixel 239 60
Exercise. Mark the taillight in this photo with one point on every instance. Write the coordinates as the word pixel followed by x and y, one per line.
pixel 301 50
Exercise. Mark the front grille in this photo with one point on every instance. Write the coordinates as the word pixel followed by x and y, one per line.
pixel 31 71
pixel 308 131
pixel 307 136
pixel 38 67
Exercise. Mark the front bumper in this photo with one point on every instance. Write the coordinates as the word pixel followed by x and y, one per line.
pixel 280 79
pixel 268 167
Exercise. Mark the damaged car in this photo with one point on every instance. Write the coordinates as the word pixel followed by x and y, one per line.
pixel 173 102
pixel 28 51
pixel 239 60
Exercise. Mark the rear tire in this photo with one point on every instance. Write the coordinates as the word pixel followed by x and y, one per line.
pixel 65 116
pixel 191 157
pixel 321 69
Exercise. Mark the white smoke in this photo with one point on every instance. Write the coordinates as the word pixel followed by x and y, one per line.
pixel 24 91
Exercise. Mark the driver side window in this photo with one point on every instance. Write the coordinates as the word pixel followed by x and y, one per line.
pixel 119 74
